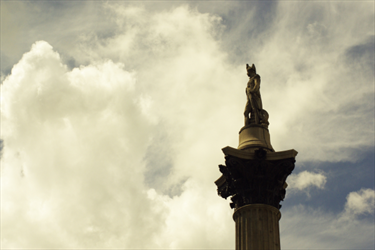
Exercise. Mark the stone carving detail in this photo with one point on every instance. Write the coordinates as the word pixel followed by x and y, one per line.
pixel 254 112
pixel 256 181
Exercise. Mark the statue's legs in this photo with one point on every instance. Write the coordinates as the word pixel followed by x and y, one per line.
pixel 247 113
pixel 256 117
pixel 255 110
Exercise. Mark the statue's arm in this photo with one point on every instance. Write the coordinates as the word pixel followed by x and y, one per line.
pixel 256 84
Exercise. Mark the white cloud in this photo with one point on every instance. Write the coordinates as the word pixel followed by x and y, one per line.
pixel 360 202
pixel 197 218
pixel 305 180
pixel 76 143
pixel 73 156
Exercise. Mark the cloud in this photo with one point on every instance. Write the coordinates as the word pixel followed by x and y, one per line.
pixel 305 97
pixel 74 147
pixel 305 180
pixel 302 227
pixel 188 217
pixel 311 90
pixel 79 143
pixel 360 202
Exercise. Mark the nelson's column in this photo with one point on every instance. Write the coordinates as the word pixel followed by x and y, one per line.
pixel 254 176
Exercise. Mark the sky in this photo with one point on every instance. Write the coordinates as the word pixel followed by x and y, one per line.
pixel 114 114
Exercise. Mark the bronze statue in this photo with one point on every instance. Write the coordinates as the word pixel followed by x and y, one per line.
pixel 254 112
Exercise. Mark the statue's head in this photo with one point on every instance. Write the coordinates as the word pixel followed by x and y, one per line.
pixel 251 70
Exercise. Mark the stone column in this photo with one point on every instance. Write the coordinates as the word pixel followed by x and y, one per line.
pixel 254 176
pixel 257 227
pixel 255 181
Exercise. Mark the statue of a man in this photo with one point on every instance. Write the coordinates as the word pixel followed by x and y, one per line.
pixel 254 113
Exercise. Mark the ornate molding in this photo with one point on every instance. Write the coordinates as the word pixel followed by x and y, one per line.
pixel 249 155
pixel 254 181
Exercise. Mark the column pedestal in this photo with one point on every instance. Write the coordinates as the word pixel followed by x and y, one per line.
pixel 257 227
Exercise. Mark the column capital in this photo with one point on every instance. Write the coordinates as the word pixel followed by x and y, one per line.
pixel 258 180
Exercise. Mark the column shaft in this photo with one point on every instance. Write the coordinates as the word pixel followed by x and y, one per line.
pixel 257 227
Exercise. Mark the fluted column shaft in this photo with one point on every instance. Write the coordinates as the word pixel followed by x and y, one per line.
pixel 257 227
